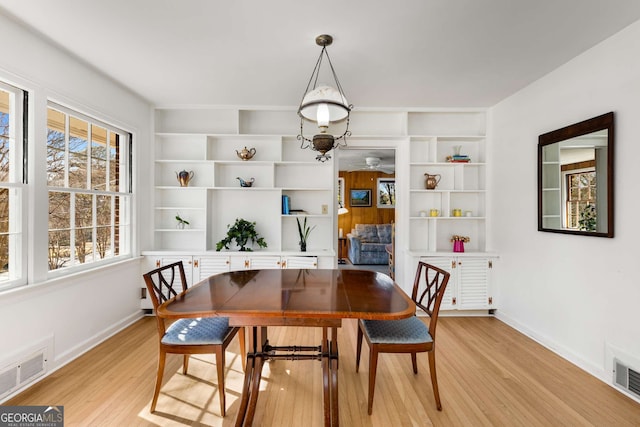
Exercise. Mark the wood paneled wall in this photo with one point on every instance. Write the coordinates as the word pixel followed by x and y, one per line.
pixel 362 215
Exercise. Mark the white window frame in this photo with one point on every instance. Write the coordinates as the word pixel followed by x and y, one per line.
pixel 125 195
pixel 17 191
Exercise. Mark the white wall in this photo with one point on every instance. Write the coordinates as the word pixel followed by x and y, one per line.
pixel 77 311
pixel 577 295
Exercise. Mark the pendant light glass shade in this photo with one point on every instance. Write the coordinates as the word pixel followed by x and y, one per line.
pixel 324 102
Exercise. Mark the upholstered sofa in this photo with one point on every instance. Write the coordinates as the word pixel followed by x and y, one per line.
pixel 367 243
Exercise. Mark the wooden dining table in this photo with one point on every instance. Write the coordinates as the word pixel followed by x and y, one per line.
pixel 257 299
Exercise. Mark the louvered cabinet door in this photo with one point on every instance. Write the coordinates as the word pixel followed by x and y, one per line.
pixel 151 263
pixel 300 262
pixel 263 262
pixel 474 279
pixel 448 264
pixel 187 263
pixel 208 266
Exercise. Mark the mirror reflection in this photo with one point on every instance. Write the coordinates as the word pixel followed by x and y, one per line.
pixel 575 185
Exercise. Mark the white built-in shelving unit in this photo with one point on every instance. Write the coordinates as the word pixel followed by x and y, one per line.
pixel 205 140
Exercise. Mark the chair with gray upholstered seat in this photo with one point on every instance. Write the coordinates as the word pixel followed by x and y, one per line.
pixel 409 335
pixel 207 335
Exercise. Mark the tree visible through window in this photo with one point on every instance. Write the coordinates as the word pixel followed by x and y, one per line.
pixel 88 215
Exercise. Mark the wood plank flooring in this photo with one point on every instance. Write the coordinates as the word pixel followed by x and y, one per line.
pixel 489 375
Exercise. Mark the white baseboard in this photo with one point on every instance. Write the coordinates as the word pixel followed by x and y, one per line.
pixel 68 356
pixel 597 371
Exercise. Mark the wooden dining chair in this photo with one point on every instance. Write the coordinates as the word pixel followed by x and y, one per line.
pixel 407 335
pixel 207 335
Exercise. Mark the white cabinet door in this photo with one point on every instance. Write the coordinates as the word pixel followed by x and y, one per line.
pixel 254 262
pixel 469 286
pixel 264 262
pixel 310 262
pixel 473 280
pixel 449 300
pixel 187 262
pixel 209 265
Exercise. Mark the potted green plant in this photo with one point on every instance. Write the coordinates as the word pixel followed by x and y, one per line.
pixel 241 232
pixel 588 218
pixel 182 223
pixel 303 231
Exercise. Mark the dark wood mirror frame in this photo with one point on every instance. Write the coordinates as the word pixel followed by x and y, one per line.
pixel 601 123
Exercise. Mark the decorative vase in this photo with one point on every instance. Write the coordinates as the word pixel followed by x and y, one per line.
pixel 303 246
pixel 184 177
pixel 458 246
pixel 431 181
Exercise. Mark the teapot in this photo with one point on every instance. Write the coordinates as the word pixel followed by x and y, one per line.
pixel 247 183
pixel 184 177
pixel 431 181
pixel 246 154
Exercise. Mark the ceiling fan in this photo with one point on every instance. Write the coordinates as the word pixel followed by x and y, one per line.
pixel 373 164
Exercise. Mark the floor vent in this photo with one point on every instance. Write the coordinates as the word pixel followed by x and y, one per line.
pixel 22 372
pixel 626 378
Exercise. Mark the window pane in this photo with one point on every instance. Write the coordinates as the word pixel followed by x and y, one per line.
pixel 5 127
pixel 78 148
pixel 584 193
pixel 117 225
pixel 103 210
pixel 103 242
pixel 84 227
pixel 84 245
pixel 98 158
pixel 4 234
pixel 59 249
pixel 55 148
pixel 573 194
pixel 114 161
pixel 59 230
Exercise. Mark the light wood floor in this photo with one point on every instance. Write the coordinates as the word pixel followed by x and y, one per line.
pixel 489 375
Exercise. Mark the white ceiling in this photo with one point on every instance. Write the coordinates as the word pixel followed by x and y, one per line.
pixel 406 53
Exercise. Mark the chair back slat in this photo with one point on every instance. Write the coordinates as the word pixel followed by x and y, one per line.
pixel 165 282
pixel 428 292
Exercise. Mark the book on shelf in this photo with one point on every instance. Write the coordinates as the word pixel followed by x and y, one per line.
pixel 286 205
pixel 458 158
pixel 297 212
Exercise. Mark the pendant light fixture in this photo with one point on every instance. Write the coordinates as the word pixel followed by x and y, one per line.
pixel 323 105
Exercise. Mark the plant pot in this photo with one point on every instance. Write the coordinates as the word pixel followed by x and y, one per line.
pixel 458 246
pixel 303 246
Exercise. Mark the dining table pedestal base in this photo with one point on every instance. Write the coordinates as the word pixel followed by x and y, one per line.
pixel 259 350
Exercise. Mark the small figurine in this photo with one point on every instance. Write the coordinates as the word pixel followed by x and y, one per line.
pixel 246 154
pixel 244 183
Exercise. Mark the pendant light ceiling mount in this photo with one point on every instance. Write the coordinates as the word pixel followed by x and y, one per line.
pixel 324 40
pixel 323 105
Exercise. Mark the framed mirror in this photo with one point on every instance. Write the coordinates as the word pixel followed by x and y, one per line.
pixel 575 178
